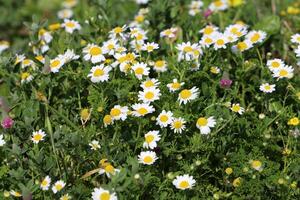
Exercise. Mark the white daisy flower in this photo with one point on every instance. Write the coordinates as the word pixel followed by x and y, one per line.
pixel 160 66
pixel 164 118
pixel 142 109
pixel 188 51
pixel 235 107
pixel 118 32
pixel 58 186
pixel 26 77
pixel 26 63
pixel 184 182
pixel 256 36
pixel 94 145
pixel 295 38
pixel 220 41
pixel 218 5
pixel 38 136
pixel 149 95
pixel 151 139
pixel 243 45
pixel 45 184
pixel 149 83
pixel 206 40
pixel 45 35
pixel 178 125
pixel 110 46
pixel 94 53
pixel 71 25
pixel 15 193
pixel 2 141
pixel 204 124
pixel 19 58
pixel 149 47
pixel 187 95
pixel 175 85
pixel 109 170
pixel 169 33
pixel 267 88
pixel 147 157
pixel 275 64
pixel 65 13
pixel 3 46
pixel 209 30
pixel 284 72
pixel 99 73
pixel 69 55
pixel 119 112
pixel 56 64
pixel 236 30
pixel 102 194
pixel 140 70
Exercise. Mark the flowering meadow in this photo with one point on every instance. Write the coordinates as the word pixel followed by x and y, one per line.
pixel 150 99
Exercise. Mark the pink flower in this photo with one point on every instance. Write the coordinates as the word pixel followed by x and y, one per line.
pixel 7 122
pixel 207 13
pixel 225 83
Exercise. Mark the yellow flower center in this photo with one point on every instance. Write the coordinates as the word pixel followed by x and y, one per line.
pixel 110 46
pixel 149 95
pixel 164 118
pixel 176 85
pixel 104 196
pixel 168 32
pixel 242 46
pixel 118 30
pixel 236 108
pixel 256 164
pixel 149 84
pixel 94 51
pixel 115 112
pixel 220 42
pixel 139 36
pixel 208 40
pixel 283 73
pixel 107 119
pixel 139 18
pixel 149 138
pixel 70 24
pixel 37 137
pixel 25 75
pixel 142 111
pixel 267 87
pixel 44 183
pixel 255 37
pixel 139 71
pixel 184 184
pixel 26 62
pixel 188 49
pixel 148 159
pixel 177 124
pixel 58 187
pixel 150 48
pixel 109 169
pixel 185 94
pixel 218 3
pixel 202 121
pixel 98 72
pixel 54 63
pixel 275 64
pixel 208 30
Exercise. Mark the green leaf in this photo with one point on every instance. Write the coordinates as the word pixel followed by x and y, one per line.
pixel 270 24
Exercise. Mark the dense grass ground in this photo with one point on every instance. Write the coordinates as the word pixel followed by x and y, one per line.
pixel 93 109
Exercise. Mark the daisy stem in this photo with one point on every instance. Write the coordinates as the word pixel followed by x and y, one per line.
pixel 50 130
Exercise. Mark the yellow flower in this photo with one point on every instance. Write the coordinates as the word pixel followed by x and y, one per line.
pixel 257 165
pixel 294 121
pixel 53 27
pixel 228 170
pixel 237 182
pixel 85 114
pixel 293 11
pixel 235 3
